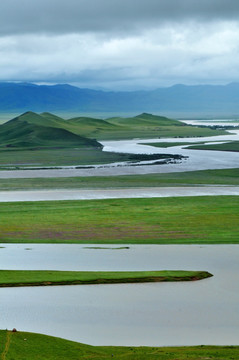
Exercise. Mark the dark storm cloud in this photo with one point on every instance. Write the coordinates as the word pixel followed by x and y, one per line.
pixel 71 16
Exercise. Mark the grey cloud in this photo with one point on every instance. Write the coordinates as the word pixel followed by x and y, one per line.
pixel 72 16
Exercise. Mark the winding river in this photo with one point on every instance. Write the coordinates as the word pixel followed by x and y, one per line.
pixel 196 159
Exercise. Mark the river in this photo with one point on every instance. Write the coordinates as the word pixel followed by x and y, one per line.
pixel 153 314
pixel 196 159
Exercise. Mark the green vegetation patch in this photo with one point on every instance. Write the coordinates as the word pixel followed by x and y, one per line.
pixel 28 346
pixel 10 278
pixel 86 156
pixel 169 144
pixel 175 220
pixel 189 178
pixel 228 146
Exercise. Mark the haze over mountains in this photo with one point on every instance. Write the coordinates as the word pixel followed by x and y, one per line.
pixel 19 97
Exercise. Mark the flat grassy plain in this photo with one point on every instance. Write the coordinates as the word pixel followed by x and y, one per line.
pixel 170 144
pixel 189 178
pixel 13 278
pixel 186 220
pixel 29 346
pixel 229 146
pixel 22 158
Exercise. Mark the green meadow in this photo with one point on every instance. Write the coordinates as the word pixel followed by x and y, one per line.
pixel 228 146
pixel 183 220
pixel 29 346
pixel 12 278
pixel 50 157
pixel 189 178
pixel 176 143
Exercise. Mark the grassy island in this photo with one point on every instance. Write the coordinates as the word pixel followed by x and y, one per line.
pixel 11 278
pixel 28 346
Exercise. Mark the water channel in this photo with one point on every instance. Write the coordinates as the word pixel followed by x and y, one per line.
pixel 154 314
pixel 196 159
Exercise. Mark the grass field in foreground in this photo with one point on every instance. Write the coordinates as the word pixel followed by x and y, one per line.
pixel 188 220
pixel 30 346
pixel 189 178
pixel 10 278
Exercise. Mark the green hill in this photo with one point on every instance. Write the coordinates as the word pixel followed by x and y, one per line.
pixel 48 130
pixel 145 120
pixel 33 130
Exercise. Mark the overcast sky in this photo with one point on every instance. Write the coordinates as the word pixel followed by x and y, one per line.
pixel 120 44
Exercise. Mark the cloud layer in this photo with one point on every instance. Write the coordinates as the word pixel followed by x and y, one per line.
pixel 114 44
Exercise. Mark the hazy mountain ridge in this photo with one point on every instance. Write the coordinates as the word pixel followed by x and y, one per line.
pixel 25 96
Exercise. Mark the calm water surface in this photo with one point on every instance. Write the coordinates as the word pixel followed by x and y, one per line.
pixel 203 312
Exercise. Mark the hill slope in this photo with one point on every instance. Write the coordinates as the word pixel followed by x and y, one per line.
pixel 30 130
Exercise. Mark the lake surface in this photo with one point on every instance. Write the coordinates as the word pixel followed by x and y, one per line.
pixel 154 314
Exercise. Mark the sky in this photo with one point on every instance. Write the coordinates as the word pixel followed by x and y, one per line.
pixel 120 44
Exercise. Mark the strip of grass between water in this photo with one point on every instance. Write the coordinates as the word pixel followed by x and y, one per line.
pixel 189 178
pixel 16 278
pixel 184 220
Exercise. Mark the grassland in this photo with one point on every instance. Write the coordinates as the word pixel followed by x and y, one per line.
pixel 13 278
pixel 170 144
pixel 29 346
pixel 186 220
pixel 202 177
pixel 32 158
pixel 141 126
pixel 228 146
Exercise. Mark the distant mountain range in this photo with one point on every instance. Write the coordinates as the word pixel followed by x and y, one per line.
pixel 19 97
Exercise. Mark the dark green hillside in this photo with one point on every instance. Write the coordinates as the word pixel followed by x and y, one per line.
pixel 33 130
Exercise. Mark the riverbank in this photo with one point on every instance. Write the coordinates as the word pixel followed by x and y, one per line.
pixel 29 346
pixel 13 278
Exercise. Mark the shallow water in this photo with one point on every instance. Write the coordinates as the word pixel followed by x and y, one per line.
pixel 157 314
pixel 41 195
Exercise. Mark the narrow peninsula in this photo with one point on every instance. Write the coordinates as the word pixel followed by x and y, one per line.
pixel 12 278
